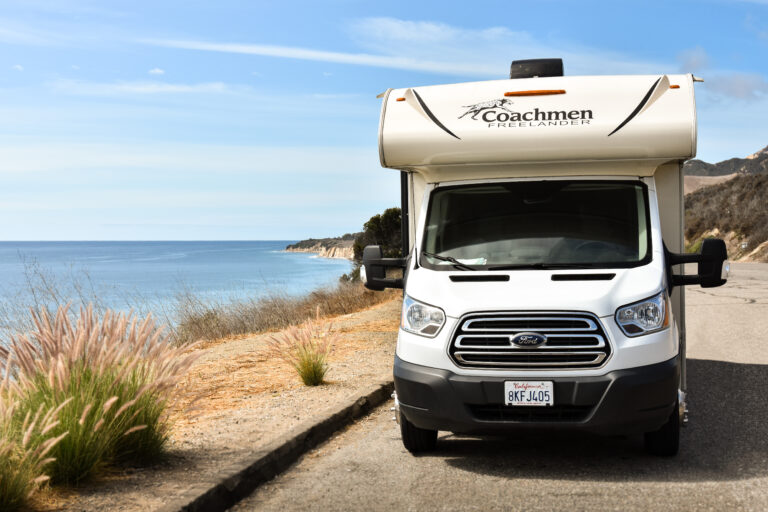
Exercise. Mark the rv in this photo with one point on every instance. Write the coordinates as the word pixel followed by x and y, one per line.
pixel 543 278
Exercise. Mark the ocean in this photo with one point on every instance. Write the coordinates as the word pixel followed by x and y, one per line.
pixel 131 274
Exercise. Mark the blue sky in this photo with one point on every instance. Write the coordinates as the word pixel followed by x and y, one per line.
pixel 200 120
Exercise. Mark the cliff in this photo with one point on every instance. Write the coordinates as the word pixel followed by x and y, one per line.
pixel 337 247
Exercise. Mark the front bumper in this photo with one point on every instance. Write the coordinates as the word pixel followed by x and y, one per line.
pixel 625 401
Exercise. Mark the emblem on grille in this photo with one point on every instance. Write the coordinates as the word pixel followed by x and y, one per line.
pixel 528 339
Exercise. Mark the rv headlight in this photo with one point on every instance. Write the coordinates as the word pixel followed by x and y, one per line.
pixel 420 318
pixel 646 316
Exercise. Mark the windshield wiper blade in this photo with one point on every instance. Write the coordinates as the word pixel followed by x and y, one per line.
pixel 456 263
pixel 542 266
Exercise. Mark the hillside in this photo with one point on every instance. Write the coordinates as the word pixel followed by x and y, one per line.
pixel 735 210
pixel 753 164
pixel 336 247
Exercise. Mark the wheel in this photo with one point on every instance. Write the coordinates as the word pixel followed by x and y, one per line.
pixel 415 439
pixel 666 441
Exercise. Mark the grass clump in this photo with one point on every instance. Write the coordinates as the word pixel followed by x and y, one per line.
pixel 25 448
pixel 306 348
pixel 199 320
pixel 111 379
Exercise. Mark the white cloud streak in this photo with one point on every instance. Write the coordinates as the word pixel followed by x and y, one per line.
pixel 156 71
pixel 361 59
pixel 437 48
pixel 76 87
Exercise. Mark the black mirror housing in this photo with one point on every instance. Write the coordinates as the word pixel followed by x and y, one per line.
pixel 374 271
pixel 711 259
pixel 714 254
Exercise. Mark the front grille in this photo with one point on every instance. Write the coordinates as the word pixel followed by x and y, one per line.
pixel 523 414
pixel 574 340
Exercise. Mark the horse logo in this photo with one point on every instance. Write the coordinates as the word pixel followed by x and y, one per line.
pixel 478 108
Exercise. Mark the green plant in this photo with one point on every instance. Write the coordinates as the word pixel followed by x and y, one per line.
pixel 25 447
pixel 306 348
pixel 111 379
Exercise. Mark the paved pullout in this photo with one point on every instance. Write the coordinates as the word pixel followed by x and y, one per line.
pixel 722 465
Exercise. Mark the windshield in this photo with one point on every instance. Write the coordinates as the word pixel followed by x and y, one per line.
pixel 537 224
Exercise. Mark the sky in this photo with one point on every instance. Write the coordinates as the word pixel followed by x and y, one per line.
pixel 225 120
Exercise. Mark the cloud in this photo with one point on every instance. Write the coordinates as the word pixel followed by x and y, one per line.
pixel 58 159
pixel 693 60
pixel 77 87
pixel 11 32
pixel 361 59
pixel 18 67
pixel 156 71
pixel 744 86
pixel 436 48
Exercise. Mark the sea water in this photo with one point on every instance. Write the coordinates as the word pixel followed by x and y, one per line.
pixel 130 274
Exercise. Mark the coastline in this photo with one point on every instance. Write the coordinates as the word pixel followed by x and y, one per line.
pixel 337 253
pixel 331 248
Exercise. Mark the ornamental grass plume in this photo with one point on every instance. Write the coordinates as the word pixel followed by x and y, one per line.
pixel 25 447
pixel 112 380
pixel 306 348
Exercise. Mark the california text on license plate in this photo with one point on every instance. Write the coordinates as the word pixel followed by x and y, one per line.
pixel 528 392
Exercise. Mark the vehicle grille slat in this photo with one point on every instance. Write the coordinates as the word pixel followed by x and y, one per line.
pixel 574 340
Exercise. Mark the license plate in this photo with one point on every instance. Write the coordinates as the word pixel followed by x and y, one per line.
pixel 529 392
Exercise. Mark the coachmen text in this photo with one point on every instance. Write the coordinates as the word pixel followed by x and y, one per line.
pixel 536 117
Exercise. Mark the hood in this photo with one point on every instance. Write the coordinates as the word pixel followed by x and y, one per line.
pixel 535 290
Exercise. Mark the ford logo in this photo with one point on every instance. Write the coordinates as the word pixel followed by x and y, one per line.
pixel 528 339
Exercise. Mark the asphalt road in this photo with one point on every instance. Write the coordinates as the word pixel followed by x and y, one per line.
pixel 722 465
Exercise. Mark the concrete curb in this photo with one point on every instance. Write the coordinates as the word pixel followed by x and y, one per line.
pixel 232 484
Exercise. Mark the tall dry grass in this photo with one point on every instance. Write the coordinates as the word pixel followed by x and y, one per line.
pixel 306 348
pixel 25 447
pixel 112 379
pixel 202 320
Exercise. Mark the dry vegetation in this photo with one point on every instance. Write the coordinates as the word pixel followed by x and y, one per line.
pixel 737 206
pixel 80 392
pixel 199 320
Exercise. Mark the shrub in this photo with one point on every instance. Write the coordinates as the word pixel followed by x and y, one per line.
pixel 25 447
pixel 306 348
pixel 199 320
pixel 111 379
pixel 736 205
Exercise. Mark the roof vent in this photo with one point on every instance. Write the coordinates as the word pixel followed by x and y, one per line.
pixel 531 68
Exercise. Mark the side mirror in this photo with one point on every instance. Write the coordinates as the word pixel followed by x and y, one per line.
pixel 373 274
pixel 713 265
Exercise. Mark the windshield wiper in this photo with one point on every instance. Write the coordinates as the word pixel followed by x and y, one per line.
pixel 456 263
pixel 543 266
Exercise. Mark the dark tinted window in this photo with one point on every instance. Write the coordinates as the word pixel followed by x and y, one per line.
pixel 579 223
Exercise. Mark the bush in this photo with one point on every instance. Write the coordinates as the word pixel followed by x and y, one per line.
pixel 306 348
pixel 25 448
pixel 197 320
pixel 111 380
pixel 737 205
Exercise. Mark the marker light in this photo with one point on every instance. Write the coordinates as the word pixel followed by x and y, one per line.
pixel 644 317
pixel 420 318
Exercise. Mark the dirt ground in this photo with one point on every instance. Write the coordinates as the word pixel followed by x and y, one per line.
pixel 246 400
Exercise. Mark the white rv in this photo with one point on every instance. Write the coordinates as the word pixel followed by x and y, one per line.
pixel 543 229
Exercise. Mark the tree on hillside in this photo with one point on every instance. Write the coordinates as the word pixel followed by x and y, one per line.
pixel 382 229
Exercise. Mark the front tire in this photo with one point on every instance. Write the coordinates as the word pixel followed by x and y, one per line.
pixel 415 439
pixel 665 442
